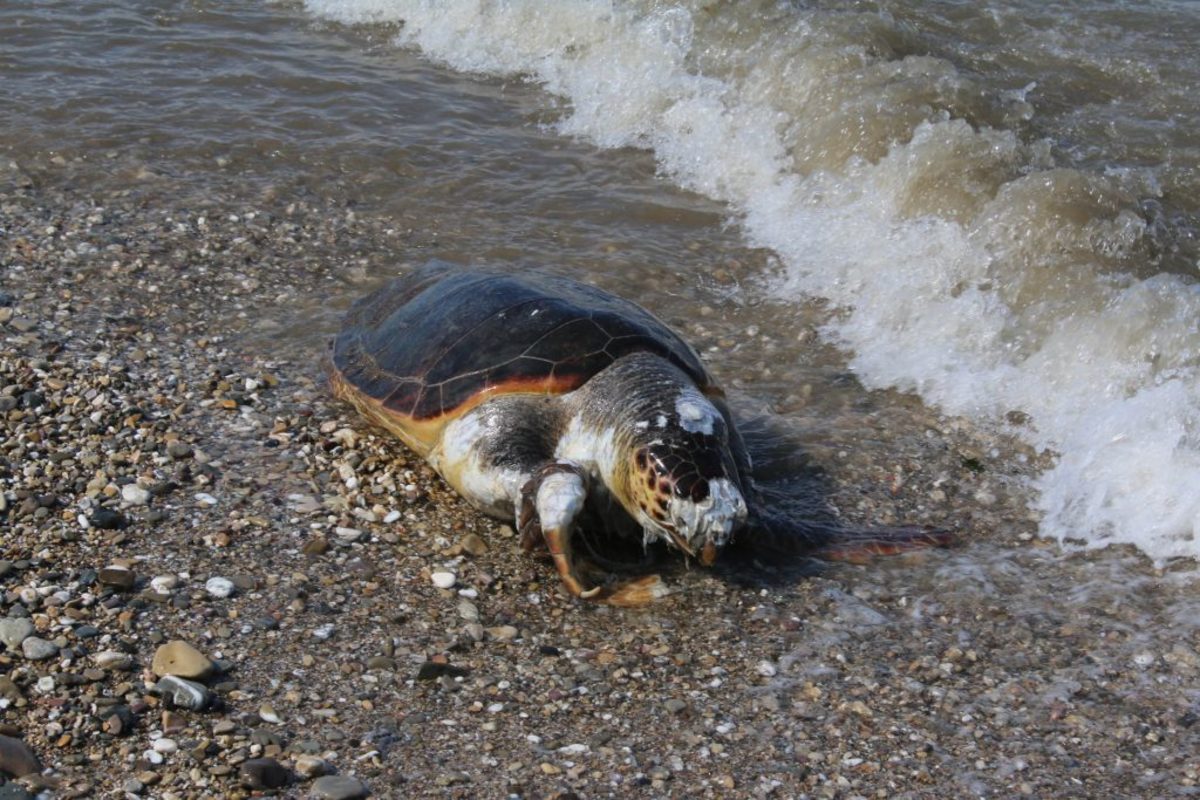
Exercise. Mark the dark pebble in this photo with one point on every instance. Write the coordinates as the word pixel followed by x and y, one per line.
pixel 108 520
pixel 338 787
pixel 17 759
pixel 432 670
pixel 264 773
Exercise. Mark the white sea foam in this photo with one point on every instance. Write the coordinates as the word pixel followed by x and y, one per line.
pixel 975 271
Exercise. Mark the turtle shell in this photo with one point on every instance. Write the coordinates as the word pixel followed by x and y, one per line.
pixel 432 344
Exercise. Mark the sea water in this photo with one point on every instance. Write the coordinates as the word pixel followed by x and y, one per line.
pixel 1002 197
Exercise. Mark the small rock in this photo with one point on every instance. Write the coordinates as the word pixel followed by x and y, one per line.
pixel 263 773
pixel 468 611
pixel 120 577
pixel 266 712
pixel 14 630
pixel 165 745
pixel 164 584
pixel 17 759
pixel 135 495
pixel 432 670
pixel 172 722
pixel 113 660
pixel 381 662
pixel 36 649
pixel 473 544
pixel 310 766
pixel 179 450
pixel 338 787
pixel 675 706
pixel 183 693
pixel 443 580
pixel 119 720
pixel 181 659
pixel 502 633
pixel 315 546
pixel 108 520
pixel 219 587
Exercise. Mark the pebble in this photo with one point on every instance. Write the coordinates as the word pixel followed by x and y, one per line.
pixel 108 520
pixel 324 632
pixel 183 693
pixel 502 633
pixel 16 759
pixel 179 658
pixel 165 745
pixel 178 450
pixel 36 649
pixel 338 787
pixel 113 660
pixel 219 587
pixel 116 575
pixel 473 544
pixel 468 611
pixel 310 766
pixel 135 495
pixel 266 712
pixel 263 773
pixel 14 630
pixel 164 584
pixel 443 580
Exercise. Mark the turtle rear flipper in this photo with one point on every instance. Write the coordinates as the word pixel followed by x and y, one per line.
pixel 778 536
pixel 858 546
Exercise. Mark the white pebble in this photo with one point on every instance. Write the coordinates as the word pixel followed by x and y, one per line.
pixel 324 632
pixel 165 745
pixel 392 516
pixel 164 584
pixel 153 756
pixel 135 495
pixel 766 669
pixel 443 580
pixel 205 499
pixel 219 587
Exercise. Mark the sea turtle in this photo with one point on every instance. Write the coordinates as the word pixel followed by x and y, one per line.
pixel 537 396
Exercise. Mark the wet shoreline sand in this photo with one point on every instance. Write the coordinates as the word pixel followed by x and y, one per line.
pixel 134 357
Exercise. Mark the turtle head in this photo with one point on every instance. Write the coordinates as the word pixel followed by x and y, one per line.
pixel 684 486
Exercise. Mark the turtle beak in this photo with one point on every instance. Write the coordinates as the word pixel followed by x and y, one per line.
pixel 680 541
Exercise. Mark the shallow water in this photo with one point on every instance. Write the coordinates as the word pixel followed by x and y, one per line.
pixel 887 174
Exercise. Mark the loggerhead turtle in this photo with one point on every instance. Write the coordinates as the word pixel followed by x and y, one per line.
pixel 536 396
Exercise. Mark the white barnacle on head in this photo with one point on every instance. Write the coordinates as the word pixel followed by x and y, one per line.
pixel 712 519
pixel 696 413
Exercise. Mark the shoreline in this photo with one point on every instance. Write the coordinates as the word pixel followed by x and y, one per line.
pixel 142 355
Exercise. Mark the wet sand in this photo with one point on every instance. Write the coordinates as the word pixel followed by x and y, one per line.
pixel 148 422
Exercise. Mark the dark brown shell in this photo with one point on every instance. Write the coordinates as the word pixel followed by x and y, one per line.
pixel 438 340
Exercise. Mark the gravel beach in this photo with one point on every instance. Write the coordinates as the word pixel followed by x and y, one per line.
pixel 174 475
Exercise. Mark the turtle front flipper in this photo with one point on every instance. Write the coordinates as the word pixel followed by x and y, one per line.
pixel 551 502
